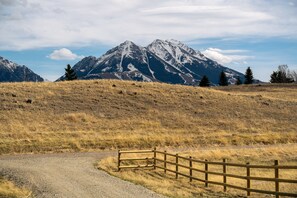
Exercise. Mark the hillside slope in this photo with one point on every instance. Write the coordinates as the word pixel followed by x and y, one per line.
pixel 104 114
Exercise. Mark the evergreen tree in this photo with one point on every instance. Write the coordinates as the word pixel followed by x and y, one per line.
pixel 204 82
pixel 238 81
pixel 223 79
pixel 70 73
pixel 274 77
pixel 282 75
pixel 248 76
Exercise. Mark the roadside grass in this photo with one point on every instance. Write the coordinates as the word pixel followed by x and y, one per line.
pixel 110 114
pixel 166 184
pixel 9 190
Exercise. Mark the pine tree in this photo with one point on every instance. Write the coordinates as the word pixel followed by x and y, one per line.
pixel 238 81
pixel 248 76
pixel 204 82
pixel 282 75
pixel 70 73
pixel 274 77
pixel 223 79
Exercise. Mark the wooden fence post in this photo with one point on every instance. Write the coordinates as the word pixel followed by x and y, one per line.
pixel 225 177
pixel 191 171
pixel 155 156
pixel 119 160
pixel 165 158
pixel 140 163
pixel 206 174
pixel 176 166
pixel 248 180
pixel 276 173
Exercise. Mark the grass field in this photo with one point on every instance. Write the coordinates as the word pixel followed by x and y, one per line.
pixel 110 114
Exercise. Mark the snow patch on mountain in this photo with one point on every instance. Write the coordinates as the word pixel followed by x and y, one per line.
pixel 132 68
pixel 13 72
pixel 8 64
pixel 175 53
pixel 168 61
pixel 126 49
pixel 106 69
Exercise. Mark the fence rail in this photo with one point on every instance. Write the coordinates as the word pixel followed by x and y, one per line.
pixel 154 162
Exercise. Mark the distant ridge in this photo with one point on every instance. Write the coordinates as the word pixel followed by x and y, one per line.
pixel 12 72
pixel 168 61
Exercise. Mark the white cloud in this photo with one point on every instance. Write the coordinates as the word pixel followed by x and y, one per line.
pixel 64 54
pixel 30 24
pixel 226 56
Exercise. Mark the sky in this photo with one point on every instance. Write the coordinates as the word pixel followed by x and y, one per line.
pixel 46 35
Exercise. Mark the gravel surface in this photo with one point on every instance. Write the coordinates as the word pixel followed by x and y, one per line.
pixel 68 175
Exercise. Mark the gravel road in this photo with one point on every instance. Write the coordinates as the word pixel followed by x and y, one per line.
pixel 68 175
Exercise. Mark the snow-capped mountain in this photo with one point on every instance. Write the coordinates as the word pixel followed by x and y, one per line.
pixel 12 72
pixel 167 61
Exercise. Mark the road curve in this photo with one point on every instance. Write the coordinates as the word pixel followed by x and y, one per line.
pixel 68 175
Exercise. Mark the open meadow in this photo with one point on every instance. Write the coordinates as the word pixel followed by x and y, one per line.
pixel 110 114
pixel 82 116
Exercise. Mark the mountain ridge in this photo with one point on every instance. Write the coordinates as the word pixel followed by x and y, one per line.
pixel 168 61
pixel 13 72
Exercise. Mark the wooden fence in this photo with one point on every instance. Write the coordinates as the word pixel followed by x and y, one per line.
pixel 153 160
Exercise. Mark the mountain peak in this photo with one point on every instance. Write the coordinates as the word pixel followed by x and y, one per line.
pixel 12 72
pixel 126 48
pixel 158 41
pixel 174 52
pixel 174 42
pixel 128 43
pixel 168 61
pixel 7 63
pixel 167 41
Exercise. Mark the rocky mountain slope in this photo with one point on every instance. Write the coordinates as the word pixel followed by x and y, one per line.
pixel 167 61
pixel 12 72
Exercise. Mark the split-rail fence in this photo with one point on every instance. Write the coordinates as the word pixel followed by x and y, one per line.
pixel 152 161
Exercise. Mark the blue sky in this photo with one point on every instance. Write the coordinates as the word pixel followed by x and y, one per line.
pixel 47 35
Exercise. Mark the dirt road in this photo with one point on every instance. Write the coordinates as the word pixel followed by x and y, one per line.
pixel 68 175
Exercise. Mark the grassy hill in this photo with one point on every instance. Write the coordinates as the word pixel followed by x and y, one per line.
pixel 108 114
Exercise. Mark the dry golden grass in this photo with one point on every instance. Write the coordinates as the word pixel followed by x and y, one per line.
pixel 167 184
pixel 158 181
pixel 9 190
pixel 109 114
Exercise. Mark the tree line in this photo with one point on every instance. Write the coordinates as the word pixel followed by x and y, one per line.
pixel 223 80
pixel 282 75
